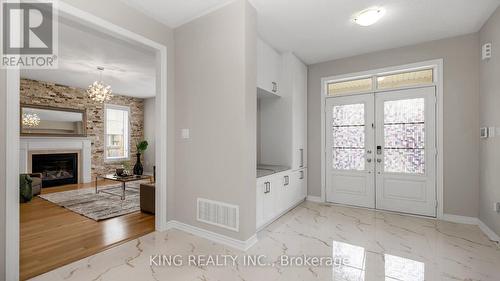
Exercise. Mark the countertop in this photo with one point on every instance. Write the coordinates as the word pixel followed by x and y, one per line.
pixel 266 170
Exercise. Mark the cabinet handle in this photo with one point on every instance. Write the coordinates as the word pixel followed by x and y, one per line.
pixel 301 175
pixel 275 87
pixel 287 180
pixel 301 158
pixel 267 187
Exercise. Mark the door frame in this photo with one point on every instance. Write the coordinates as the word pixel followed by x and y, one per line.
pixel 437 66
pixel 12 238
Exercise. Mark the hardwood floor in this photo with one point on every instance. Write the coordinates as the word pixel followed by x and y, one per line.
pixel 52 236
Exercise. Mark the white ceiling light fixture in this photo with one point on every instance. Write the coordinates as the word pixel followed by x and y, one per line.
pixel 99 91
pixel 369 16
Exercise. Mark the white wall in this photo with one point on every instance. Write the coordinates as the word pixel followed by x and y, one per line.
pixel 490 116
pixel 215 76
pixel 149 133
pixel 3 162
pixel 461 112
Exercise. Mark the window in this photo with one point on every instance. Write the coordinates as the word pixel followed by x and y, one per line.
pixel 406 79
pixel 352 86
pixel 116 133
pixel 420 77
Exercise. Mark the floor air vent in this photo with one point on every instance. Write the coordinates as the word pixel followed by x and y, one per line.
pixel 219 214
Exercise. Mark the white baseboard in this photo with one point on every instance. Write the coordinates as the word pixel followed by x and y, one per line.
pixel 212 236
pixel 490 233
pixel 460 219
pixel 475 221
pixel 316 199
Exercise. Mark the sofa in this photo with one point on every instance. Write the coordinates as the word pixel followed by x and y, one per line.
pixel 30 185
pixel 36 184
pixel 147 197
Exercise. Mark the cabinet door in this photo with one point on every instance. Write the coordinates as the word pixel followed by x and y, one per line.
pixel 268 68
pixel 303 184
pixel 269 202
pixel 261 189
pixel 299 110
pixel 299 186
pixel 287 191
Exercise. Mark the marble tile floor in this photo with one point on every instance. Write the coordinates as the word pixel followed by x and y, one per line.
pixel 348 244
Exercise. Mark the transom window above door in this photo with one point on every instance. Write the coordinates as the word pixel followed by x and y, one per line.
pixel 116 133
pixel 421 77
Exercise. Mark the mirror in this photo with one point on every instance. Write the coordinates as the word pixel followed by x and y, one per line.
pixel 37 120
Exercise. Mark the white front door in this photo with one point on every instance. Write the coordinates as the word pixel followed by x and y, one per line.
pixel 349 159
pixel 381 151
pixel 406 151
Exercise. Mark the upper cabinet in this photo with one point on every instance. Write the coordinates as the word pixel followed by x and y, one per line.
pixel 282 122
pixel 268 70
pixel 295 85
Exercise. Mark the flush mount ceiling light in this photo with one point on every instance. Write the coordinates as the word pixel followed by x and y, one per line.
pixel 99 91
pixel 369 16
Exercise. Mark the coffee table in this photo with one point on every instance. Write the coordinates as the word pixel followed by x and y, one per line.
pixel 123 180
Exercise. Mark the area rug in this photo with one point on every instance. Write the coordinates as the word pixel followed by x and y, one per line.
pixel 98 206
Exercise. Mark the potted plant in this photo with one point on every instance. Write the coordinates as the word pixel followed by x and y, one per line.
pixel 141 147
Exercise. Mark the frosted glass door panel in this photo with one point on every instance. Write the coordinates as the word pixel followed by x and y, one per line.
pixel 404 136
pixel 348 130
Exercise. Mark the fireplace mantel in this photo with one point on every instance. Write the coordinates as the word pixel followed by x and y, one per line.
pixel 30 145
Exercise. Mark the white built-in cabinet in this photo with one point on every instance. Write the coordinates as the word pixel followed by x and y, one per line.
pixel 295 79
pixel 278 193
pixel 268 69
pixel 283 133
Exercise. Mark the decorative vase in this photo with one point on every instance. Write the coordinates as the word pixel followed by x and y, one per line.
pixel 138 169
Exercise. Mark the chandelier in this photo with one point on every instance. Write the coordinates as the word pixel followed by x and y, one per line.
pixel 99 91
pixel 31 120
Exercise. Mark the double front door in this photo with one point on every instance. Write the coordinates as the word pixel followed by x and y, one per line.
pixel 381 150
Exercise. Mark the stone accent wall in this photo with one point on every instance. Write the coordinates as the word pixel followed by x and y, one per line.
pixel 45 93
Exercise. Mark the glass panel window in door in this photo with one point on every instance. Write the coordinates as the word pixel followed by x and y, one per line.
pixel 348 128
pixel 404 136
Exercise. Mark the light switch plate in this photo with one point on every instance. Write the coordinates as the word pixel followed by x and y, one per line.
pixel 483 132
pixel 185 134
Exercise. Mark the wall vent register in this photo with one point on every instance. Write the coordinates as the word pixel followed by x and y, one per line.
pixel 218 213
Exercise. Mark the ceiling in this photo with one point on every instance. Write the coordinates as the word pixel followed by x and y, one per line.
pixel 175 13
pixel 321 30
pixel 128 69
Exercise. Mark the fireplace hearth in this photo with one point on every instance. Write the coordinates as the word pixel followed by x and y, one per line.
pixel 56 169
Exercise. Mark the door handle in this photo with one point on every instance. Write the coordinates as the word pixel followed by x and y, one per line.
pixel 379 160
pixel 369 160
